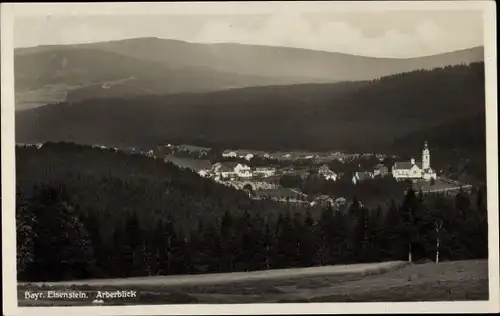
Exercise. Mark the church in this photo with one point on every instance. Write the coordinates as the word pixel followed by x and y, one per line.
pixel 415 170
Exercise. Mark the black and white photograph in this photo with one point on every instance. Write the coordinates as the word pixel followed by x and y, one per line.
pixel 217 157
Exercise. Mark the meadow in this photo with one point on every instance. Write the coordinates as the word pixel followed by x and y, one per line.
pixel 377 282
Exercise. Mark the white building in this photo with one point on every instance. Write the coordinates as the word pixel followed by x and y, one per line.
pixel 231 154
pixel 204 173
pixel 248 157
pixel 415 170
pixel 327 173
pixel 232 170
pixel 265 171
pixel 243 171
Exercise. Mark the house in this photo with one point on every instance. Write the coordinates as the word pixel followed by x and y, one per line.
pixel 243 171
pixel 380 170
pixel 248 156
pixel 225 170
pixel 229 154
pixel 265 171
pixel 327 173
pixel 232 169
pixel 415 170
pixel 361 176
pixel 204 173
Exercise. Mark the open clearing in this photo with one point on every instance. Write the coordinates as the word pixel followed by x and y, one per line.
pixel 378 282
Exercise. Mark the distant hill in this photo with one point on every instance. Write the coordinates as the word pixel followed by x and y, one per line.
pixel 54 73
pixel 359 116
pixel 71 74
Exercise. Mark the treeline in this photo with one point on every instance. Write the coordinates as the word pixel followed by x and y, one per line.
pixel 89 213
pixel 373 192
pixel 313 117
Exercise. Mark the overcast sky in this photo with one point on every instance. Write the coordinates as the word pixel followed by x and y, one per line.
pixel 385 34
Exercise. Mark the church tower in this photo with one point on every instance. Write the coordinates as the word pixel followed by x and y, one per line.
pixel 426 157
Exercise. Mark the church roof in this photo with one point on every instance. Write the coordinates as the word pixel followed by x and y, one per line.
pixel 406 165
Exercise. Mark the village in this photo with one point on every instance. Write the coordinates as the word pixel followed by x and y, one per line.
pixel 261 174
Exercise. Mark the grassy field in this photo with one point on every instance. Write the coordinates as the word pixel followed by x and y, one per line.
pixel 446 281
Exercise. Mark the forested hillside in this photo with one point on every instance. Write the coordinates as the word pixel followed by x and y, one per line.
pixel 84 212
pixel 313 117
pixel 459 147
pixel 91 73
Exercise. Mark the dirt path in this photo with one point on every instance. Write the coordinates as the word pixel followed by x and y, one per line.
pixel 221 278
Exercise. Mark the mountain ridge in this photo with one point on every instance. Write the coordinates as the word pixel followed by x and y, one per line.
pixel 309 116
pixel 192 67
pixel 75 45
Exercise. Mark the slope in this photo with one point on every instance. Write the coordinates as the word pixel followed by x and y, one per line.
pixel 192 67
pixel 313 117
pixel 67 73
pixel 272 61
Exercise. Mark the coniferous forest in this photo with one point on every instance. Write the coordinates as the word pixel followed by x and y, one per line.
pixel 86 212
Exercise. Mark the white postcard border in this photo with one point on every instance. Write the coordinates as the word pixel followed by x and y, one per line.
pixel 9 11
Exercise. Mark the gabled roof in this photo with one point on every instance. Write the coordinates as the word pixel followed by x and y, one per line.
pixel 245 166
pixel 406 165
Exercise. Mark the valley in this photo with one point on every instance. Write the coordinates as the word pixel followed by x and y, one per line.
pixel 231 173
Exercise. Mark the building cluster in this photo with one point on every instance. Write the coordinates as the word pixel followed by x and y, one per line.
pixel 403 170
pixel 329 201
pixel 327 173
pixel 317 158
pixel 379 170
pixel 235 170
pixel 415 170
